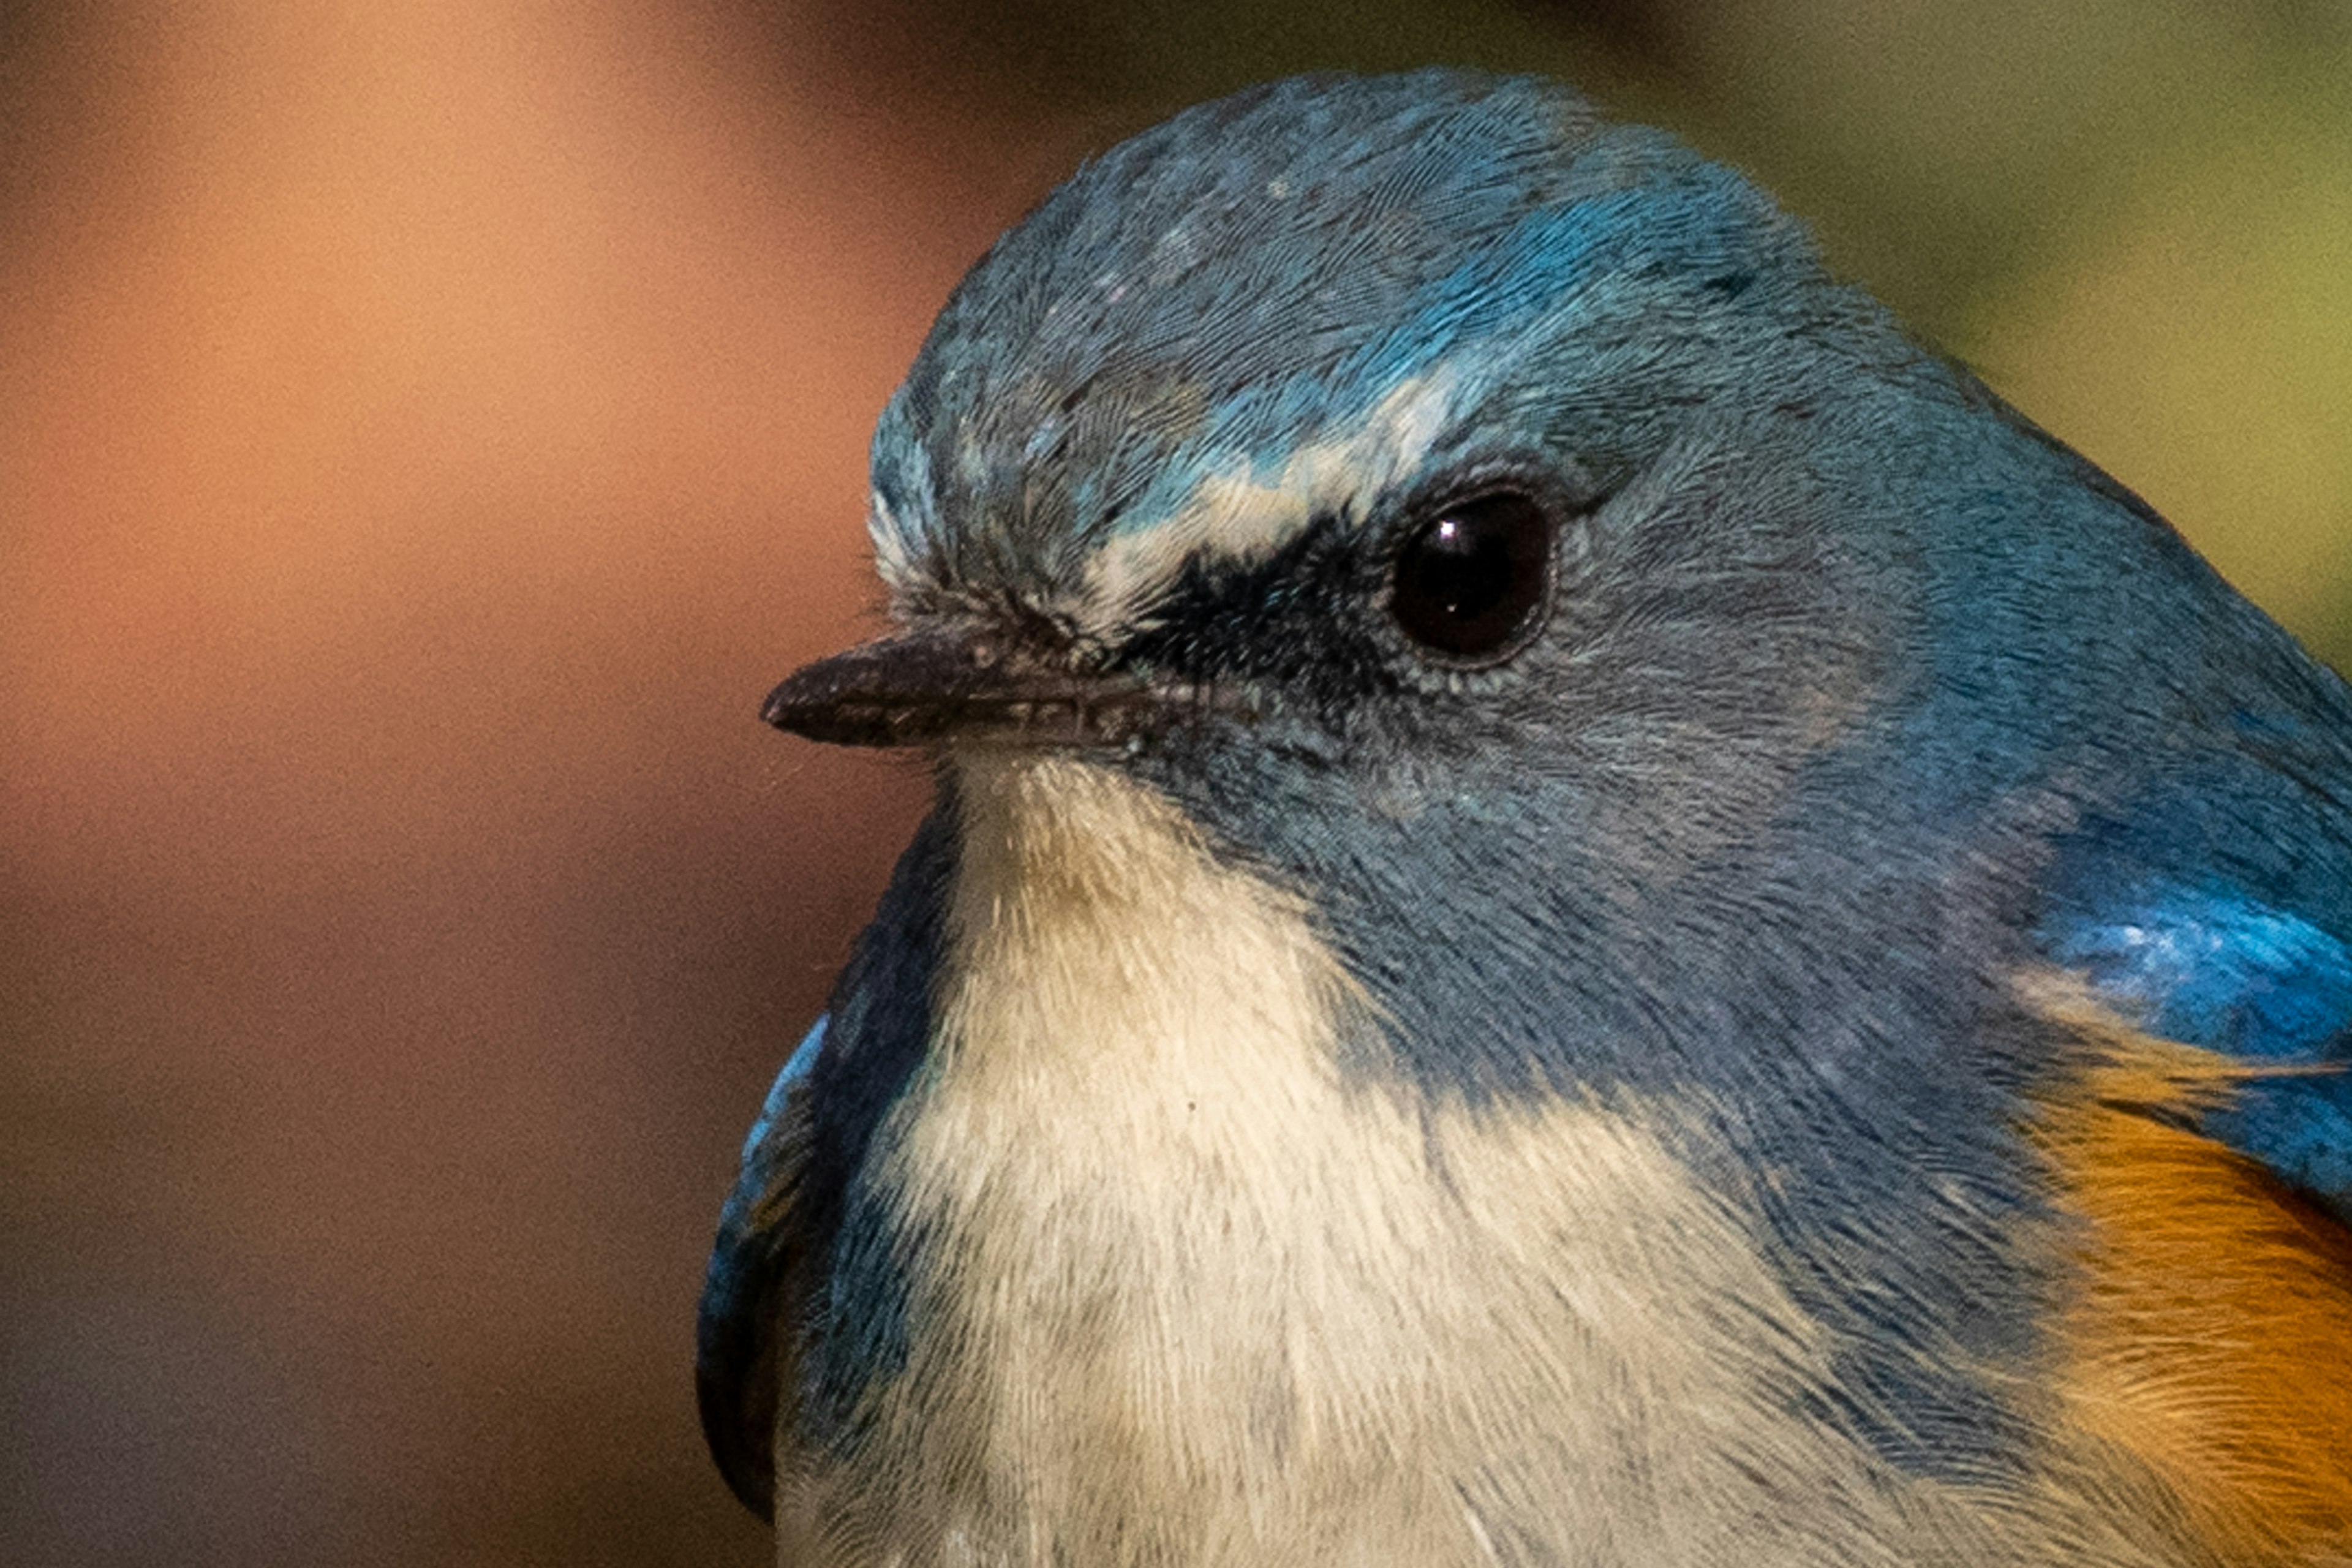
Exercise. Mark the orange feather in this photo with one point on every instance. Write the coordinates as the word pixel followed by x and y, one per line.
pixel 2212 1331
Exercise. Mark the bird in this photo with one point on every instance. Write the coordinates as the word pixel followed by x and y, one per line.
pixel 1581 908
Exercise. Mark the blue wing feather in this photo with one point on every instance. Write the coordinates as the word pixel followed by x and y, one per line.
pixel 798 1301
pixel 737 1381
pixel 2217 969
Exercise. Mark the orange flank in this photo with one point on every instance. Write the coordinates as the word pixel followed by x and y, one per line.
pixel 2211 1335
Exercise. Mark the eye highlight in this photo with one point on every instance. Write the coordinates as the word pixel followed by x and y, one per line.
pixel 1471 582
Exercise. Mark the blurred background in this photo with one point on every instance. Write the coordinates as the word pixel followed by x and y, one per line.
pixel 428 426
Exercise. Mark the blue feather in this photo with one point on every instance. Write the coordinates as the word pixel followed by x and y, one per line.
pixel 2216 969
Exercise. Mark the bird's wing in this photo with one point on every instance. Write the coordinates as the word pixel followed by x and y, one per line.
pixel 737 1381
pixel 759 1341
pixel 2215 967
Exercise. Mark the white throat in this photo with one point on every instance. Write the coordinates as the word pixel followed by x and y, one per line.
pixel 1183 1291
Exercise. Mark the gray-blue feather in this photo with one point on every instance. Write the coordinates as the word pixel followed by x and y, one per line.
pixel 1176 308
pixel 790 1307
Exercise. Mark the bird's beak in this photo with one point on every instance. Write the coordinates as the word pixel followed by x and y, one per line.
pixel 923 686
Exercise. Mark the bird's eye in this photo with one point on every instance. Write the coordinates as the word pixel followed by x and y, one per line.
pixel 1471 582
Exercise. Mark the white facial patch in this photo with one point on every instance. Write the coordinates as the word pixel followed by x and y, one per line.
pixel 1181 1292
pixel 1239 515
pixel 889 533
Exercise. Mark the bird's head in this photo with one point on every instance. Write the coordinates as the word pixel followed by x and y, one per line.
pixel 1494 525
pixel 1429 488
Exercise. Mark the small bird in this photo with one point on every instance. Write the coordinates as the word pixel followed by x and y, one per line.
pixel 1582 908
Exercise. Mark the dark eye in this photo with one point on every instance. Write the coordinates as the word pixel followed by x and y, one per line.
pixel 1471 581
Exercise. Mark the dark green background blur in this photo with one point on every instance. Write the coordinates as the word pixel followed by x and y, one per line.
pixel 428 426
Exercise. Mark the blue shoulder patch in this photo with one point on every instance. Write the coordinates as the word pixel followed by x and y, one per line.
pixel 771 1109
pixel 2223 972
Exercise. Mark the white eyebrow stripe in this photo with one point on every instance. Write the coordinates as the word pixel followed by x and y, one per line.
pixel 888 533
pixel 1235 515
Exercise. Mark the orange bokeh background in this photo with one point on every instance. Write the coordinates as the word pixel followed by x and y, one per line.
pixel 427 429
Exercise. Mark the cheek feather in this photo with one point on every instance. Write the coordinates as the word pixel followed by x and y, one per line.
pixel 2212 1332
